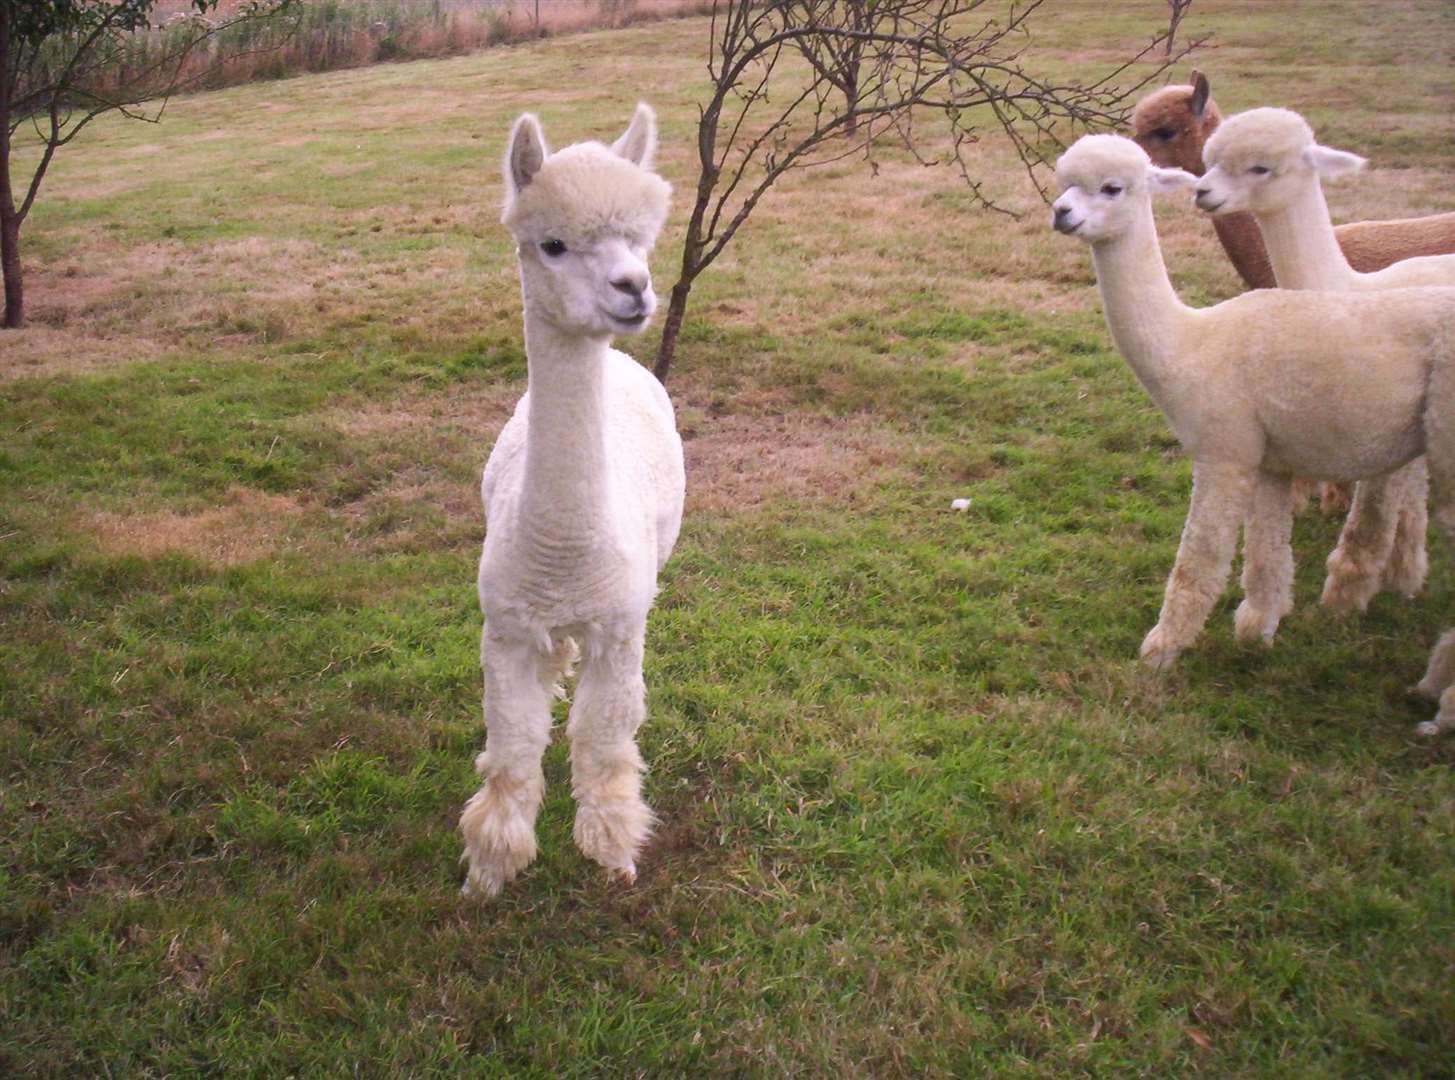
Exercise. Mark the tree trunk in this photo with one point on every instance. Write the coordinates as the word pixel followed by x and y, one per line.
pixel 676 312
pixel 10 265
pixel 9 219
pixel 850 87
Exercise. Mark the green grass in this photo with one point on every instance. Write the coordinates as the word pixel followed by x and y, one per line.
pixel 922 813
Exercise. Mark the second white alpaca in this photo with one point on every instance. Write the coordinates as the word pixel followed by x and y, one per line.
pixel 1266 162
pixel 583 502
pixel 1258 389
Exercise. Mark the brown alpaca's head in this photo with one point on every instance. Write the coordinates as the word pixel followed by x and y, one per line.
pixel 1171 124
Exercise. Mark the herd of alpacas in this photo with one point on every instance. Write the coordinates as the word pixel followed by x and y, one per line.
pixel 1343 373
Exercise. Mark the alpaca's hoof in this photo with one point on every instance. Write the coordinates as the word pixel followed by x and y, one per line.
pixel 626 875
pixel 500 841
pixel 612 833
pixel 481 885
pixel 1428 729
pixel 1254 624
pixel 1158 652
pixel 1348 588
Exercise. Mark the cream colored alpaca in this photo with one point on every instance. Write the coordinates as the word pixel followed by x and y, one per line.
pixel 583 501
pixel 1266 162
pixel 1259 388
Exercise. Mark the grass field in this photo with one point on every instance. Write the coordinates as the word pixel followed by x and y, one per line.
pixel 922 813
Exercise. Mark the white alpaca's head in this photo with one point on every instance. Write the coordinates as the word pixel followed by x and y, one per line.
pixel 1106 182
pixel 584 219
pixel 1262 159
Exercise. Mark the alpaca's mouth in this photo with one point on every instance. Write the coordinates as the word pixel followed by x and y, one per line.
pixel 634 322
pixel 1068 227
pixel 1210 208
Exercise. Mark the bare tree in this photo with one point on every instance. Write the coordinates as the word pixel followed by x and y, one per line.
pixel 65 62
pixel 871 65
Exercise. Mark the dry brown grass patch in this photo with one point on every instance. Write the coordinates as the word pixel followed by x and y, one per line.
pixel 248 526
pixel 482 410
pixel 741 461
pixel 122 304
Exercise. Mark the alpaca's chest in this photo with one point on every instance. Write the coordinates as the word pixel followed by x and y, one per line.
pixel 553 585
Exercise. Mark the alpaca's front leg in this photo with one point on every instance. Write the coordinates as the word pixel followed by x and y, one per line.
pixel 1267 560
pixel 1220 497
pixel 612 821
pixel 498 822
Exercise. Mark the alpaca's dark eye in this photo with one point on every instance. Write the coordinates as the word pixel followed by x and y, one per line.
pixel 1260 170
pixel 1111 189
pixel 553 248
pixel 1166 134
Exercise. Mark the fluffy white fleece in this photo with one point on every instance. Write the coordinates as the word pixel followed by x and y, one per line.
pixel 583 497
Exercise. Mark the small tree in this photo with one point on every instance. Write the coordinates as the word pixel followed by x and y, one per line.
pixel 65 62
pixel 870 66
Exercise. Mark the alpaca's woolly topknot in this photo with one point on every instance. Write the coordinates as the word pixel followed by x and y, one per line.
pixel 1272 136
pixel 1091 157
pixel 1171 107
pixel 586 191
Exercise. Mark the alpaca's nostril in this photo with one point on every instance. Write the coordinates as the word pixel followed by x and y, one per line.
pixel 630 286
pixel 1061 212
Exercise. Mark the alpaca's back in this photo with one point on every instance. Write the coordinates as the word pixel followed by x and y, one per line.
pixel 1331 384
pixel 1413 273
pixel 1373 245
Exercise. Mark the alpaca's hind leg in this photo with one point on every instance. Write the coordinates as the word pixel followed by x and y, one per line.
pixel 1267 560
pixel 498 822
pixel 1439 424
pixel 1409 561
pixel 1356 565
pixel 1220 500
pixel 612 821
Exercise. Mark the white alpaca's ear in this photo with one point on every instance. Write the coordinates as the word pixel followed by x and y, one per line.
pixel 638 144
pixel 1160 181
pixel 1332 164
pixel 526 154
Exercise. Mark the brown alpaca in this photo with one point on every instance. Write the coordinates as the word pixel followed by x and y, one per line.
pixel 1172 124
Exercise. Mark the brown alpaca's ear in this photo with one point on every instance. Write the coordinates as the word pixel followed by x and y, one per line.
pixel 1200 93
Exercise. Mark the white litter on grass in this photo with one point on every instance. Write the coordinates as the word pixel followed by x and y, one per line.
pixel 959 504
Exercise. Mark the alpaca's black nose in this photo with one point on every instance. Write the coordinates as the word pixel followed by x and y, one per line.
pixel 1061 212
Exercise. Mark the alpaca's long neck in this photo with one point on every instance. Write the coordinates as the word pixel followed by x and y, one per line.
pixel 1301 243
pixel 563 502
pixel 1243 244
pixel 1143 313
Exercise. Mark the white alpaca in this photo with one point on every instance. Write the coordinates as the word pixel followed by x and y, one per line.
pixel 1258 389
pixel 1267 163
pixel 583 501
